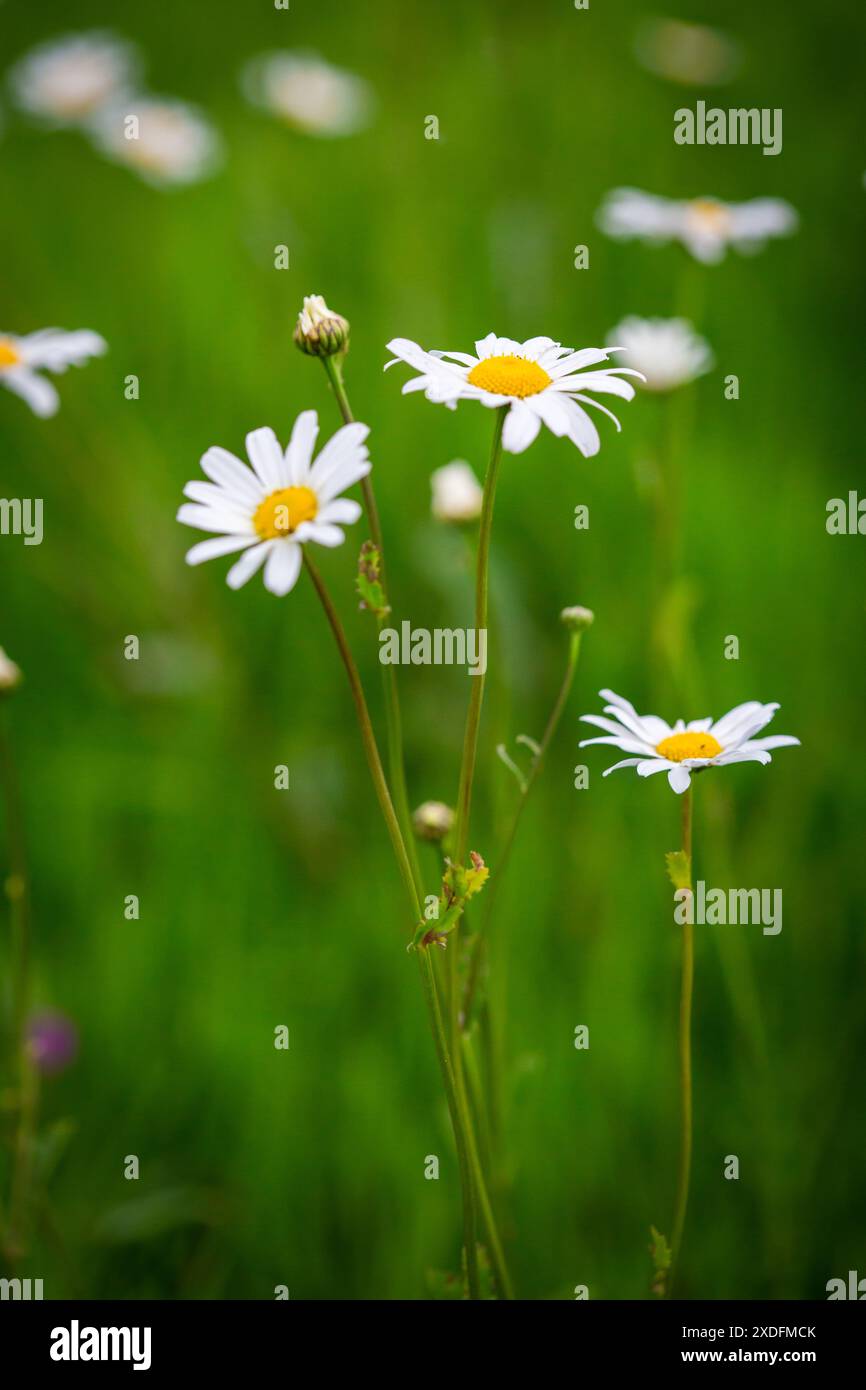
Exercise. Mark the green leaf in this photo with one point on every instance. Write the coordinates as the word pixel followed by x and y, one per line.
pixel 679 869
pixel 369 582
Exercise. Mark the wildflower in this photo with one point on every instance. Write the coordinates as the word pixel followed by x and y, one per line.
pixel 457 493
pixel 432 820
pixel 66 80
pixel 10 674
pixel 705 226
pixel 682 749
pixel 270 511
pixel 165 141
pixel 540 381
pixel 309 93
pixel 319 331
pixel 51 350
pixel 668 352
pixel 53 1042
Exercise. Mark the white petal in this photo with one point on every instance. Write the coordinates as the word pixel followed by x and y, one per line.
pixel 344 510
pixel 217 545
pixel 266 456
pixel 55 350
pixel 299 454
pixel 227 470
pixel 283 567
pixel 246 566
pixel 520 429
pixel 679 778
pixel 39 394
pixel 214 519
pixel 774 741
pixel 649 766
pixel 320 532
pixel 346 446
pixel 626 762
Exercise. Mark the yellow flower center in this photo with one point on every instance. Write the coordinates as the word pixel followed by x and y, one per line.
pixel 283 511
pixel 710 216
pixel 8 355
pixel 509 376
pixel 678 747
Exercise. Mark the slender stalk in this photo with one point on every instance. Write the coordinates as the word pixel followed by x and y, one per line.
pixel 482 585
pixel 479 939
pixel 457 1109
pixel 685 1045
pixel 393 717
pixel 18 894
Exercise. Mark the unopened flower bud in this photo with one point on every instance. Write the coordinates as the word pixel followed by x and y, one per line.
pixel 319 331
pixel 10 674
pixel 577 619
pixel 457 493
pixel 432 820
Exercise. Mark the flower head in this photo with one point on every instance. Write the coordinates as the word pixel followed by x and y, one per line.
pixel 320 332
pixel 53 1042
pixel 577 618
pixel 168 143
pixel 689 53
pixel 309 93
pixel 67 80
pixel 432 820
pixel 10 674
pixel 682 749
pixel 457 493
pixel 705 226
pixel 271 510
pixel 540 381
pixel 50 350
pixel 667 352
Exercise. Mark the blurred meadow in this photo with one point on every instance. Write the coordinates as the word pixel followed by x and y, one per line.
pixel 261 907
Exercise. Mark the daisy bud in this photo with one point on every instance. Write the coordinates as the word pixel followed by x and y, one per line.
pixel 432 820
pixel 457 493
pixel 577 619
pixel 320 332
pixel 10 674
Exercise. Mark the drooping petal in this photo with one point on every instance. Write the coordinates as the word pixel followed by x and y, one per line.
pixel 39 394
pixel 246 566
pixel 520 428
pixel 282 567
pixel 679 778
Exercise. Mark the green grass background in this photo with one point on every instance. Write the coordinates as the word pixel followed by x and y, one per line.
pixel 261 908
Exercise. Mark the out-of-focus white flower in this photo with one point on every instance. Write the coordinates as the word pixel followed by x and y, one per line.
pixel 668 352
pixel 540 381
pixel 67 80
pixel 683 749
pixel 308 92
pixel 689 53
pixel 50 350
pixel 705 226
pixel 10 673
pixel 166 141
pixel 271 510
pixel 457 493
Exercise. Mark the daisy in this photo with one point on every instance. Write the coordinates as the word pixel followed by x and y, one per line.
pixel 689 53
pixel 66 80
pixel 685 748
pixel 307 92
pixel 171 143
pixel 705 226
pixel 271 510
pixel 540 381
pixel 457 493
pixel 668 352
pixel 50 349
pixel 10 673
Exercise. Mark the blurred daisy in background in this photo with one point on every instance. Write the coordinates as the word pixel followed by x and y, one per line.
pixel 457 493
pixel 682 749
pixel 309 93
pixel 540 381
pixel 10 673
pixel 692 54
pixel 270 511
pixel 705 226
pixel 67 80
pixel 667 352
pixel 166 141
pixel 50 350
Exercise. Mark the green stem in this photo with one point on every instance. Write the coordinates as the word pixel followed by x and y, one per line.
pixel 498 872
pixel 393 717
pixel 18 894
pixel 685 1046
pixel 457 1111
pixel 482 584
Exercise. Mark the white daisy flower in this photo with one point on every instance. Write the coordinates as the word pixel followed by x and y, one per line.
pixel 682 749
pixel 307 92
pixel 689 53
pixel 541 381
pixel 285 500
pixel 169 142
pixel 66 80
pixel 457 493
pixel 10 673
pixel 49 350
pixel 668 352
pixel 705 226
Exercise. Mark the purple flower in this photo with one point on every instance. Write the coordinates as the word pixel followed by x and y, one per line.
pixel 53 1040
